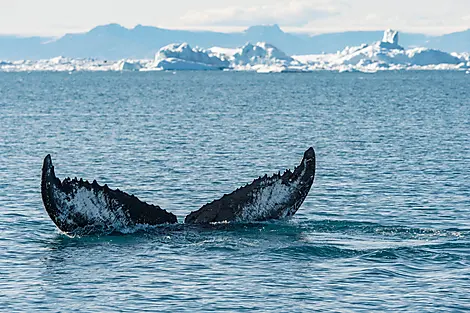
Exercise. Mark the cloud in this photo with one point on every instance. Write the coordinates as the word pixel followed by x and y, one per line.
pixel 317 16
pixel 290 13
pixel 404 15
pixel 52 17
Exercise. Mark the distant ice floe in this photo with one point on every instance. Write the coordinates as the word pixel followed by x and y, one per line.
pixel 262 57
pixel 61 64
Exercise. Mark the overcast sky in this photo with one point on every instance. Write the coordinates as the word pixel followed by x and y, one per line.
pixel 57 17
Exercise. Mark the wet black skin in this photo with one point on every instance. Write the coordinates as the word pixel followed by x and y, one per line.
pixel 229 208
pixel 135 211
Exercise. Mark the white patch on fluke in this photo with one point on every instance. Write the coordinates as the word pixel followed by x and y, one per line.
pixel 93 206
pixel 270 198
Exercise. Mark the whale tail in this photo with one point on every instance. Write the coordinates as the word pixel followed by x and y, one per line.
pixel 266 198
pixel 77 206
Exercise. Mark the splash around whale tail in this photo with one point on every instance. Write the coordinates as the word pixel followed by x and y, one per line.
pixel 264 199
pixel 80 207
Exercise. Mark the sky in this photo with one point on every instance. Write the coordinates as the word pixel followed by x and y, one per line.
pixel 57 17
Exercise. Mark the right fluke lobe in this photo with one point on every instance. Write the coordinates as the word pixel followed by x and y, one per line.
pixel 266 198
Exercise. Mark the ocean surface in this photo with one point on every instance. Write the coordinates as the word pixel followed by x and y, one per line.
pixel 386 226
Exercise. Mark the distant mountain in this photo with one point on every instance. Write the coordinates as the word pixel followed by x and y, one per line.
pixel 113 42
pixel 455 42
pixel 14 48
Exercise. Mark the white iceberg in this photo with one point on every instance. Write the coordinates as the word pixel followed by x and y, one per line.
pixel 389 52
pixel 390 40
pixel 384 55
pixel 184 57
pixel 260 53
pixel 425 56
pixel 128 66
pixel 262 57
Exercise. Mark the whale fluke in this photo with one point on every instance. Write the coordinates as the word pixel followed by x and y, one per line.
pixel 266 198
pixel 77 207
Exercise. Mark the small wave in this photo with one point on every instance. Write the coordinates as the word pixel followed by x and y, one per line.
pixel 371 242
pixel 381 273
pixel 385 254
pixel 403 232
pixel 388 255
pixel 309 251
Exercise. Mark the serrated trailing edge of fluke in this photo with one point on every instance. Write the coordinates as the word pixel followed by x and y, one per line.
pixel 75 205
pixel 236 206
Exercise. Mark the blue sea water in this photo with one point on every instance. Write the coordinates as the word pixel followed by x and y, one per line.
pixel 386 226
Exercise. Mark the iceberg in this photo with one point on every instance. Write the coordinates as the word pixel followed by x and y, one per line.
pixel 386 54
pixel 184 57
pixel 389 52
pixel 130 66
pixel 262 57
pixel 425 56
pixel 390 40
pixel 172 64
pixel 260 53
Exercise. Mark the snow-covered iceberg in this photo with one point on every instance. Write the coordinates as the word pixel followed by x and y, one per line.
pixel 386 54
pixel 184 57
pixel 260 53
pixel 262 57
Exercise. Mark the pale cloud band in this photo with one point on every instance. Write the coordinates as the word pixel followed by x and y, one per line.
pixel 428 16
pixel 291 13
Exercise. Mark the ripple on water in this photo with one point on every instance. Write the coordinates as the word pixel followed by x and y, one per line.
pixel 385 227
